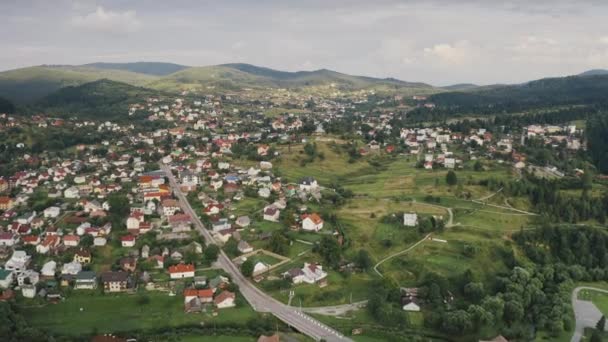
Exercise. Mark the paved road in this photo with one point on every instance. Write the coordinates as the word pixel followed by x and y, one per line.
pixel 259 300
pixel 336 310
pixel 585 312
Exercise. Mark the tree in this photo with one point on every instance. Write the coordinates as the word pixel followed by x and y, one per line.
pixel 119 205
pixel 514 311
pixel 329 249
pixel 478 166
pixel 596 336
pixel 211 252
pixel 363 260
pixel 247 268
pixel 474 292
pixel 601 324
pixel 451 178
pixel 278 243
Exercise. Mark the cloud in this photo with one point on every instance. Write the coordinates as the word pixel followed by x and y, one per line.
pixel 452 54
pixel 604 40
pixel 106 21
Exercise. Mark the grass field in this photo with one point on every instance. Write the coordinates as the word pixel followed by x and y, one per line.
pixel 87 313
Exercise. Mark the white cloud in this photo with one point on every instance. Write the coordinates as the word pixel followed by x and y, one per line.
pixel 106 21
pixel 452 54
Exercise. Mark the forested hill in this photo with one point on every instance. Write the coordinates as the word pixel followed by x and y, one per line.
pixel 6 106
pixel 103 99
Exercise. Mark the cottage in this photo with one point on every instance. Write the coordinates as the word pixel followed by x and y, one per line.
pixel 225 300
pixel 128 241
pixel 244 247
pixel 114 281
pixel 243 221
pixel 51 212
pixel 271 213
pixel 181 271
pixel 8 239
pixel 85 280
pixel 410 219
pixel 308 184
pixel 310 274
pixel 312 222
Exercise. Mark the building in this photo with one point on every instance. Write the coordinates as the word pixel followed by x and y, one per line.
pixel 82 256
pixel 271 213
pixel 308 184
pixel 6 278
pixel 85 280
pixel 128 241
pixel 114 281
pixel 225 300
pixel 410 219
pixel 181 271
pixel 6 203
pixel 312 222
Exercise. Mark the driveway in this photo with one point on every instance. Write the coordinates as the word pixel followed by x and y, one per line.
pixel 585 312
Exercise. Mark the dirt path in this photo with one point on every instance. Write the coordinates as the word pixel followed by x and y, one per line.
pixel 399 253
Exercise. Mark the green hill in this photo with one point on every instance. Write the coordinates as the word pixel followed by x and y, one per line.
pixel 102 99
pixel 147 68
pixel 6 106
pixel 238 76
pixel 27 85
pixel 553 91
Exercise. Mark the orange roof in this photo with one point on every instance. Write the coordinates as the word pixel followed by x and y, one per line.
pixel 181 268
pixel 5 200
pixel 204 293
pixel 316 219
pixel 223 296
pixel 145 179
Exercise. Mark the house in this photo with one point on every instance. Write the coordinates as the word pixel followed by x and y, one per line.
pixel 449 163
pixel 71 240
pixel 260 268
pixel 85 280
pixel 308 184
pixel 82 256
pixel 204 295
pixel 128 241
pixel 6 203
pixel 51 212
pixel 49 243
pixel 170 207
pixel 28 277
pixel 310 274
pixel 71 192
pixel 312 222
pixel 181 271
pixel 28 291
pixel 410 219
pixel 6 278
pixel 128 264
pixel 48 270
pixel 225 300
pixel 271 213
pixel 243 221
pixel 71 268
pixel 411 306
pixel 244 247
pixel 114 281
pixel 8 239
pixel 18 262
pixel 221 224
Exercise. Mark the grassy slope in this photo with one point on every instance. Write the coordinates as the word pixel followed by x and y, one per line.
pixel 29 84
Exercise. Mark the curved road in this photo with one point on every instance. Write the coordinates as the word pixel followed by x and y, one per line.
pixel 259 300
pixel 585 312
pixel 399 253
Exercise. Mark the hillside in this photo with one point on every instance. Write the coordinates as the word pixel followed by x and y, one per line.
pixel 102 99
pixel 554 91
pixel 27 85
pixel 238 76
pixel 147 68
pixel 594 72
pixel 6 106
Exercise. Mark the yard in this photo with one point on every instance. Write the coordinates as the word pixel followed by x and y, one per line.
pixel 83 313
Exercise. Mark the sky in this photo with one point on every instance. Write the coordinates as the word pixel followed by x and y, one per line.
pixel 439 42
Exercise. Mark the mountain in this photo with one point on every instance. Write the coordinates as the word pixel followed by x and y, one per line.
pixel 594 72
pixel 569 90
pixel 238 76
pixel 147 68
pixel 103 99
pixel 27 85
pixel 460 87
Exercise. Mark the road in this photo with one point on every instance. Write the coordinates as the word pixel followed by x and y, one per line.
pixel 259 300
pixel 585 312
pixel 336 310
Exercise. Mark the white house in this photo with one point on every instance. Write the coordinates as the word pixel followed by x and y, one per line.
pixel 225 300
pixel 8 239
pixel 308 184
pixel 410 219
pixel 271 213
pixel 71 192
pixel 181 271
pixel 312 222
pixel 18 262
pixel 48 269
pixel 71 268
pixel 51 212
pixel 411 306
pixel 28 291
pixel 310 274
pixel 244 247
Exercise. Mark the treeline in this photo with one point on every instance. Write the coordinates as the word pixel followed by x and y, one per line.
pixel 584 247
pixel 546 198
pixel 597 141
pixel 6 106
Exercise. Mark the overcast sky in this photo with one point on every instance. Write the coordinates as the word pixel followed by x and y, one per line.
pixel 440 41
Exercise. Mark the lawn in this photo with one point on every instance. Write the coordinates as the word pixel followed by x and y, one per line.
pixel 87 313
